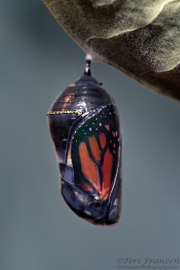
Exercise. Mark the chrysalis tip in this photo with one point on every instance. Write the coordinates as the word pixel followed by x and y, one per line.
pixel 87 70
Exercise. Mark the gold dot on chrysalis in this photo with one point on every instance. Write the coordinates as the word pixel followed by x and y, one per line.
pixel 96 198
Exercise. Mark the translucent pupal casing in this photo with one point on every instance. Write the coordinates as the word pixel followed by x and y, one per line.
pixel 84 126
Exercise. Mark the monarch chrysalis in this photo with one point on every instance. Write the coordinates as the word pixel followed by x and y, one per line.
pixel 84 126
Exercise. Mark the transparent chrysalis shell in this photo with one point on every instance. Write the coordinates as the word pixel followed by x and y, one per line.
pixel 84 126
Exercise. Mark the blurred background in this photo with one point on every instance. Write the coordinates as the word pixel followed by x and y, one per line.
pixel 37 230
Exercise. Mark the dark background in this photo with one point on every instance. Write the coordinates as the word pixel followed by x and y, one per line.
pixel 37 230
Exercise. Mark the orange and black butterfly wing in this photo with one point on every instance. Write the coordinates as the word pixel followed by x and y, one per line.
pixel 95 152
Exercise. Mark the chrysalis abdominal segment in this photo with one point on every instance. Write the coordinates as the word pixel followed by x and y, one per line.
pixel 84 126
